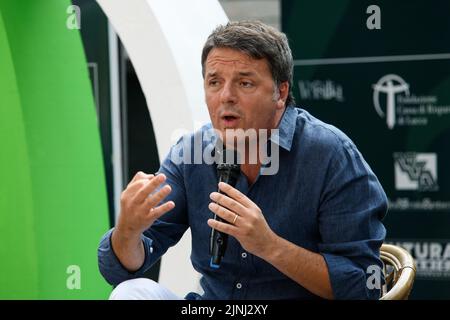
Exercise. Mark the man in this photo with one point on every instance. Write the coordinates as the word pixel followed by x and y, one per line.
pixel 310 230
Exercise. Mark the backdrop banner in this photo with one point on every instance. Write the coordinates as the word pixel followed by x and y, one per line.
pixel 382 75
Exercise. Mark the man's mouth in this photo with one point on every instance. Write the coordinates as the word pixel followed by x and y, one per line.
pixel 230 120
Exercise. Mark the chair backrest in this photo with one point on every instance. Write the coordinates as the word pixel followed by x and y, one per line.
pixel 399 270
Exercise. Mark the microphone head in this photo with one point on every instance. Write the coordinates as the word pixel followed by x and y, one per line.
pixel 228 173
pixel 228 167
pixel 226 156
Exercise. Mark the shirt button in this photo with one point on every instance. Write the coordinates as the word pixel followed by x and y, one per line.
pixel 151 249
pixel 238 285
pixel 244 255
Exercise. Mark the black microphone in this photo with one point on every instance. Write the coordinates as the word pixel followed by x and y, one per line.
pixel 228 173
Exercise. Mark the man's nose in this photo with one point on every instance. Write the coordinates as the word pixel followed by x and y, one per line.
pixel 228 94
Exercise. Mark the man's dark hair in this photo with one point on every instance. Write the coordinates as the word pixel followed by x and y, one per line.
pixel 259 41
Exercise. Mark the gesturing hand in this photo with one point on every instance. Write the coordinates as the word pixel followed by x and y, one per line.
pixel 138 203
pixel 245 220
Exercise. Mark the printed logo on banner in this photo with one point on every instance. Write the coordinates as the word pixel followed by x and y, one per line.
pixel 320 90
pixel 415 171
pixel 401 108
pixel 432 258
pixel 391 85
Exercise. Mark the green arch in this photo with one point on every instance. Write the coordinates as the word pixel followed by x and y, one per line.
pixel 53 204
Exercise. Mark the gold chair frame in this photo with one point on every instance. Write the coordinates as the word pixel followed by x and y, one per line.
pixel 399 270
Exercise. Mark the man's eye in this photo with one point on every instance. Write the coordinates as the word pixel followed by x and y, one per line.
pixel 246 84
pixel 213 83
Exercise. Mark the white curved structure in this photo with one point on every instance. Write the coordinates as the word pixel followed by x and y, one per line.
pixel 164 39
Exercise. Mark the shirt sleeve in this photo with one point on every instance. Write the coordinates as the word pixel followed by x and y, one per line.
pixel 110 267
pixel 352 205
pixel 164 232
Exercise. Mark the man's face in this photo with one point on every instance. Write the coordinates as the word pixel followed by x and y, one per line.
pixel 240 92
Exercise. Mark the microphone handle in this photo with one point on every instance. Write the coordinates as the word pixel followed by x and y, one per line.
pixel 218 245
pixel 219 240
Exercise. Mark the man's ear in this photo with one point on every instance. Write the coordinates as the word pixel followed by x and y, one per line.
pixel 283 90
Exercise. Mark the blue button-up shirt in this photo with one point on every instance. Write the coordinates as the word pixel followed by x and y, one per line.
pixel 324 198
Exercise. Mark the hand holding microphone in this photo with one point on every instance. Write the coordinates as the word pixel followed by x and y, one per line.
pixel 238 216
pixel 228 173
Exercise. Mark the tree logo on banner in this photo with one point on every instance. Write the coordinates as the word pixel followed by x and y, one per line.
pixel 391 85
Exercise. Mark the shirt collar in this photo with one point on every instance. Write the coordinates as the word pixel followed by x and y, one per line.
pixel 285 134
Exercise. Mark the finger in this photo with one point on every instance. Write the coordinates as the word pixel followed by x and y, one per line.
pixel 157 197
pixel 140 175
pixel 224 213
pixel 223 227
pixel 157 212
pixel 139 182
pixel 147 189
pixel 236 194
pixel 227 202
